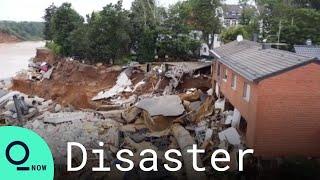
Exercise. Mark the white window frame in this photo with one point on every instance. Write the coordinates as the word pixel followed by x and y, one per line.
pixel 246 91
pixel 234 82
pixel 225 74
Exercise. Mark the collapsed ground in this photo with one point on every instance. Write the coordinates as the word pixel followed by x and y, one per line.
pixel 73 83
pixel 135 107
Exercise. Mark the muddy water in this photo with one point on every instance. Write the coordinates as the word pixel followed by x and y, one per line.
pixel 15 56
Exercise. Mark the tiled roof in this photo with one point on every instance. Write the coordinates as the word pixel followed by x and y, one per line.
pixel 248 59
pixel 305 50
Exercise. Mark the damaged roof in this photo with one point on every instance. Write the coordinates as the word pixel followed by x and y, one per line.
pixel 248 59
pixel 306 50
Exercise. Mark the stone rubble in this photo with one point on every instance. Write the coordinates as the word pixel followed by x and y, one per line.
pixel 127 119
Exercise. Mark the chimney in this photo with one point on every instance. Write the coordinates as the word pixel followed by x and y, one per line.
pixel 239 38
pixel 309 42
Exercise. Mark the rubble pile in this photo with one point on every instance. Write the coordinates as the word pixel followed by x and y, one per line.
pixel 123 107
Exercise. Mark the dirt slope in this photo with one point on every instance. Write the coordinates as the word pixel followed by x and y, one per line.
pixel 7 38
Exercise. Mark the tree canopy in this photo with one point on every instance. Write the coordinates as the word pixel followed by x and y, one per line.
pixel 148 31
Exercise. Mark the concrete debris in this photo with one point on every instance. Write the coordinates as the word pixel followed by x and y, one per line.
pixel 219 104
pixel 164 105
pixel 123 85
pixel 5 98
pixel 230 135
pixel 39 71
pixel 161 109
pixel 63 117
pixel 131 114
pixel 125 102
pixel 57 108
pixel 186 142
pixel 229 117
pixel 156 123
pixel 113 114
pixel 47 75
pixel 2 93
pixel 200 134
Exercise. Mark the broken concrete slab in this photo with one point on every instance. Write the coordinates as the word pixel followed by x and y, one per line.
pixel 231 135
pixel 47 75
pixel 123 85
pixel 113 114
pixel 125 102
pixel 62 117
pixel 156 123
pixel 57 108
pixel 7 97
pixel 186 142
pixel 3 92
pixel 164 105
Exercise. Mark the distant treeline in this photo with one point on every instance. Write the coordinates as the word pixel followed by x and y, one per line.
pixel 144 33
pixel 23 30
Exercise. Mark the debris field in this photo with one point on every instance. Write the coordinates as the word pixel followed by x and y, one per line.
pixel 154 106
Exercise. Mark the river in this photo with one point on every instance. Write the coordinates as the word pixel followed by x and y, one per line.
pixel 15 56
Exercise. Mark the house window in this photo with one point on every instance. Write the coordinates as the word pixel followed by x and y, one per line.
pixel 218 70
pixel 234 82
pixel 246 92
pixel 205 50
pixel 225 74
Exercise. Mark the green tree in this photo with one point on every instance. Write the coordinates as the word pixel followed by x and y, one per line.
pixel 63 22
pixel 181 46
pixel 23 30
pixel 108 34
pixel 179 16
pixel 204 17
pixel 49 12
pixel 145 20
pixel 231 33
pixel 79 42
pixel 288 22
pixel 315 4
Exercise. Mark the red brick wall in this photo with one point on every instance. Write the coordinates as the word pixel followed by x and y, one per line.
pixel 247 109
pixel 283 113
pixel 289 113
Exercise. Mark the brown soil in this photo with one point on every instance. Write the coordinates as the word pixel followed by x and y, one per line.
pixel 7 38
pixel 71 83
pixel 201 82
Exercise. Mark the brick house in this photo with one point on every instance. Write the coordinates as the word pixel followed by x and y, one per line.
pixel 277 94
